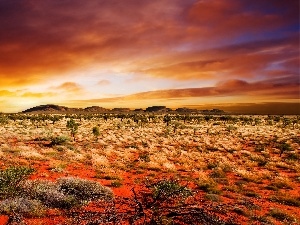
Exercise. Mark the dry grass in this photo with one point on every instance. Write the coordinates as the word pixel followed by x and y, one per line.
pixel 232 158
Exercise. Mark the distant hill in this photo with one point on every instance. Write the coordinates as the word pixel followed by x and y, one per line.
pixel 56 109
pixel 63 109
pixel 48 108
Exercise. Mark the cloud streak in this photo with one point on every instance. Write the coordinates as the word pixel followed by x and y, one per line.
pixel 241 60
pixel 287 88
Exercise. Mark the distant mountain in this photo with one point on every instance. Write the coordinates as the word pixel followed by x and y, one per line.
pixel 63 109
pixel 47 108
pixel 52 109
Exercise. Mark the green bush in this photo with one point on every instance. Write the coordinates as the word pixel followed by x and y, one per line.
pixel 73 126
pixel 60 140
pixel 10 180
pixel 166 189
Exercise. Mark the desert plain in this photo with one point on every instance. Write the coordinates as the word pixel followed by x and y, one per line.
pixel 149 169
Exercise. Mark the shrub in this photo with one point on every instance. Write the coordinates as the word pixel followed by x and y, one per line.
pixel 167 119
pixel 55 118
pixel 259 147
pixel 11 178
pixel 217 173
pixel 60 140
pixel 168 189
pixel 208 186
pixel 116 183
pixel 3 120
pixel 84 190
pixel 144 157
pixel 20 205
pixel 66 192
pixel 48 193
pixel 96 132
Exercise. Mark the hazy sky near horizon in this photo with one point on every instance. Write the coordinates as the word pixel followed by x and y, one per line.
pixel 136 53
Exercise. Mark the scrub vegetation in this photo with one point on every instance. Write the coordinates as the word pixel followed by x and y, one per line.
pixel 149 169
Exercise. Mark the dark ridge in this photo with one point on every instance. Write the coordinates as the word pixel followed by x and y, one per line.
pixel 47 108
pixel 156 109
pixel 56 109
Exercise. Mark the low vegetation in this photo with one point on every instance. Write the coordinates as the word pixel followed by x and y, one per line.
pixel 149 169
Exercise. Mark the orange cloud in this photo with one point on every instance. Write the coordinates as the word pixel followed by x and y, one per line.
pixel 38 95
pixel 8 94
pixel 70 87
pixel 43 39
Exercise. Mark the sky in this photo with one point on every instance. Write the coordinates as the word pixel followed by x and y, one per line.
pixel 233 54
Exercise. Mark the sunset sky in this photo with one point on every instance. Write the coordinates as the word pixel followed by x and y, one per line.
pixel 138 53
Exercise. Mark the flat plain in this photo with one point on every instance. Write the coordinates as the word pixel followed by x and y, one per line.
pixel 149 169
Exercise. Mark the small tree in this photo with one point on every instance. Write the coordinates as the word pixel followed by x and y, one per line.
pixel 3 119
pixel 167 119
pixel 73 126
pixel 96 132
pixel 55 118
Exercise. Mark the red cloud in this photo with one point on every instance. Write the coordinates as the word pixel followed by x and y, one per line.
pixel 226 19
pixel 41 39
pixel 233 61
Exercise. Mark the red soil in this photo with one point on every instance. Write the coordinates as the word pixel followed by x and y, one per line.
pixel 134 179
